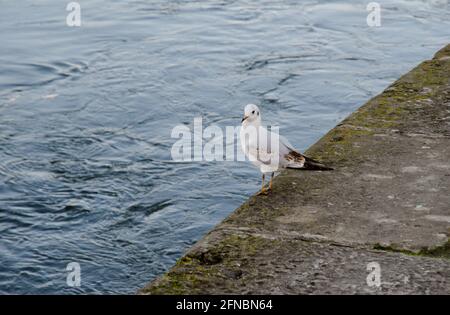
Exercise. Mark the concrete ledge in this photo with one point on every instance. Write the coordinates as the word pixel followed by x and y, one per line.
pixel 387 201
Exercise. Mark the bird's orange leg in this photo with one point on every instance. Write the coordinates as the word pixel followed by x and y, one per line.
pixel 263 189
pixel 271 178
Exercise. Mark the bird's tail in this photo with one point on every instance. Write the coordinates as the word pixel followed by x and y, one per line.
pixel 310 164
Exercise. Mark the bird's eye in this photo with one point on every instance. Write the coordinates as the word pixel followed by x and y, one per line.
pixel 253 112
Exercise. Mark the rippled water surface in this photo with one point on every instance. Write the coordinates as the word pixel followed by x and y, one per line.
pixel 86 115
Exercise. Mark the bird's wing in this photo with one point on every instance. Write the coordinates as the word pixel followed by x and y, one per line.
pixel 261 154
pixel 262 149
pixel 293 158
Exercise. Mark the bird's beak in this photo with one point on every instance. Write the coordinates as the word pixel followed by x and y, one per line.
pixel 245 117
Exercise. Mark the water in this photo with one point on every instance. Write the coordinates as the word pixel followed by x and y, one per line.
pixel 86 115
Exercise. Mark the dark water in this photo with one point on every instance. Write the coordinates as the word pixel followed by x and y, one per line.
pixel 86 115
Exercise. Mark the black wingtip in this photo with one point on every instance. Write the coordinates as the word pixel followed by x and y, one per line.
pixel 311 164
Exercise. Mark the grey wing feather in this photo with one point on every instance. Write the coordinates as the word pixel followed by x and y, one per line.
pixel 297 160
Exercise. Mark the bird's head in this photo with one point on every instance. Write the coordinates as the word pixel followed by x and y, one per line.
pixel 252 115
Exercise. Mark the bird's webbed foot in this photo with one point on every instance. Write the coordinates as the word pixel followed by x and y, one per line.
pixel 264 192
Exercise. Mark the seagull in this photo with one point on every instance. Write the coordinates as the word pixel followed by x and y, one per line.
pixel 269 151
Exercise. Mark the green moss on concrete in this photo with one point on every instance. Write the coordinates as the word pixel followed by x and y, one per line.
pixel 390 248
pixel 444 53
pixel 386 112
pixel 439 251
pixel 211 266
pixel 341 145
pixel 254 212
pixel 436 252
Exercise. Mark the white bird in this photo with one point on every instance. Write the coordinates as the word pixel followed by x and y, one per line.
pixel 268 151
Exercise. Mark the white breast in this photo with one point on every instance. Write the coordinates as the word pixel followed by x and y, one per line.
pixel 262 148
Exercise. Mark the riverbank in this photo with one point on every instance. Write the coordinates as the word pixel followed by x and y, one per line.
pixel 386 202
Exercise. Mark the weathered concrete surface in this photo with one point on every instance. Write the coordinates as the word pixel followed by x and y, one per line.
pixel 387 201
